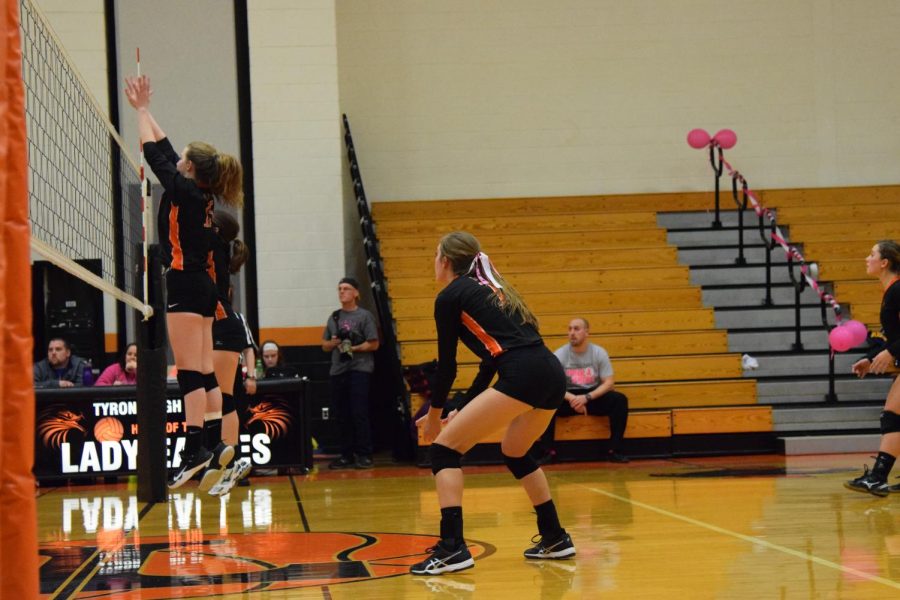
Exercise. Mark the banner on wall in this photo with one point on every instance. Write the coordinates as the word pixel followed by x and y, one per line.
pixel 91 432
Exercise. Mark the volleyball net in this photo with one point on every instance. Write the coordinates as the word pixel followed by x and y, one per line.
pixel 84 189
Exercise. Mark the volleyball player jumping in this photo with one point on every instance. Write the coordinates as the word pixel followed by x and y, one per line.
pixel 884 263
pixel 491 319
pixel 191 183
pixel 230 339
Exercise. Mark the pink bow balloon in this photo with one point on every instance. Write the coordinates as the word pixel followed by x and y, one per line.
pixel 726 138
pixel 698 138
pixel 846 335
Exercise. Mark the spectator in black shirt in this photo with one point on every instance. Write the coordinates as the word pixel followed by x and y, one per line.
pixel 884 262
pixel 191 182
pixel 61 369
pixel 479 308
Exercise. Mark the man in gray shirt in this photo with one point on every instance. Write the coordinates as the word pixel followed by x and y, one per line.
pixel 589 389
pixel 352 338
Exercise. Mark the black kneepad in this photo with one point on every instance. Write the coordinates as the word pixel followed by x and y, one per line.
pixel 210 382
pixel 443 457
pixel 189 381
pixel 890 422
pixel 228 405
pixel 521 466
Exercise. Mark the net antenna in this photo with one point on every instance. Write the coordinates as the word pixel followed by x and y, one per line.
pixel 145 207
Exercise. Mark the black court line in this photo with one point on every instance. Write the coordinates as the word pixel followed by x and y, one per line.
pixel 299 504
pixel 75 585
pixel 326 591
pixel 45 491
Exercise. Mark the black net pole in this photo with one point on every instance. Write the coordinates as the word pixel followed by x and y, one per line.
pixel 151 389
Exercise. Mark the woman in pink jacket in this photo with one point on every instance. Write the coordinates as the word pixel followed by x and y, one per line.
pixel 123 372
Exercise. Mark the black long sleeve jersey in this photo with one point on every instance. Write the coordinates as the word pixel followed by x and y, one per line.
pixel 217 268
pixel 184 221
pixel 465 311
pixel 890 320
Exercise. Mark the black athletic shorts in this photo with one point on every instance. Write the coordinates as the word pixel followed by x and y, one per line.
pixel 229 333
pixel 532 375
pixel 190 292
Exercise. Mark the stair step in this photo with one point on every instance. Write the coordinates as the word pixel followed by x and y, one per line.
pixel 750 342
pixel 830 444
pixel 754 295
pixel 770 316
pixel 681 220
pixel 814 390
pixel 714 237
pixel 787 365
pixel 739 274
pixel 725 254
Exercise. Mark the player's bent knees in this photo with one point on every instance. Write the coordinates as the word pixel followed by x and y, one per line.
pixel 890 422
pixel 520 466
pixel 443 457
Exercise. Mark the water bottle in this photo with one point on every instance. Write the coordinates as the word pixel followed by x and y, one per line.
pixel 260 371
pixel 87 377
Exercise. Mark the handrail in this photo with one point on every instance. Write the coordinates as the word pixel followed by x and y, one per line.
pixel 725 139
pixel 375 268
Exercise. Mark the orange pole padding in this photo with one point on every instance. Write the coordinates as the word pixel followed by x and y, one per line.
pixel 18 511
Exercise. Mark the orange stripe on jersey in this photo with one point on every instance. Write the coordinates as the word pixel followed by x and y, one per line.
pixel 492 345
pixel 220 311
pixel 175 240
pixel 211 266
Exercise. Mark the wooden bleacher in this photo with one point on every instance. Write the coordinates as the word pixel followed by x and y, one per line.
pixel 604 258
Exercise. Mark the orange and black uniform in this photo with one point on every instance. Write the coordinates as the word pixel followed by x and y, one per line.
pixel 466 310
pixel 890 321
pixel 229 332
pixel 184 223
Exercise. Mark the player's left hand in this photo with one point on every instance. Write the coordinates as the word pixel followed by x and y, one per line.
pixel 450 416
pixel 882 362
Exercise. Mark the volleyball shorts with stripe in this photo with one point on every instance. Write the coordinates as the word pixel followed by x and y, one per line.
pixel 229 333
pixel 532 375
pixel 190 292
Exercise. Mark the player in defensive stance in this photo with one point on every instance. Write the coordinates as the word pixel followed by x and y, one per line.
pixel 479 308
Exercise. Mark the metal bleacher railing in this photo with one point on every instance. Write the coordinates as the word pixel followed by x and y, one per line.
pixel 808 272
pixel 375 268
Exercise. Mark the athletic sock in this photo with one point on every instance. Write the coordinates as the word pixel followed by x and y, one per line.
pixel 548 521
pixel 452 527
pixel 213 429
pixel 194 439
pixel 884 462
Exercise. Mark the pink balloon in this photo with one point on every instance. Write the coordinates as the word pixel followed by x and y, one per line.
pixel 726 138
pixel 698 138
pixel 841 339
pixel 846 335
pixel 860 332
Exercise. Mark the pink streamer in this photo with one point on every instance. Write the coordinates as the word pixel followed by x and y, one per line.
pixel 779 237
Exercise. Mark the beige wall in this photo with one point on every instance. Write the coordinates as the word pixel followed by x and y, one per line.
pixel 472 99
pixel 297 150
pixel 489 98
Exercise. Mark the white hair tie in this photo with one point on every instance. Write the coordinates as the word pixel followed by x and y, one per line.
pixel 483 269
pixel 269 346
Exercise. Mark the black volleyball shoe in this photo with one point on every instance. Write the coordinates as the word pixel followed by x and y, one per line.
pixel 444 560
pixel 559 548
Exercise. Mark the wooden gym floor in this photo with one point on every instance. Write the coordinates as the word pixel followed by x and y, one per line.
pixel 732 527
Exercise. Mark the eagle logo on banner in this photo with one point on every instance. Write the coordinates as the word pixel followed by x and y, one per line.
pixel 275 418
pixel 55 423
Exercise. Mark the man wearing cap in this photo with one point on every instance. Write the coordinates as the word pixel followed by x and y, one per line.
pixel 352 338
